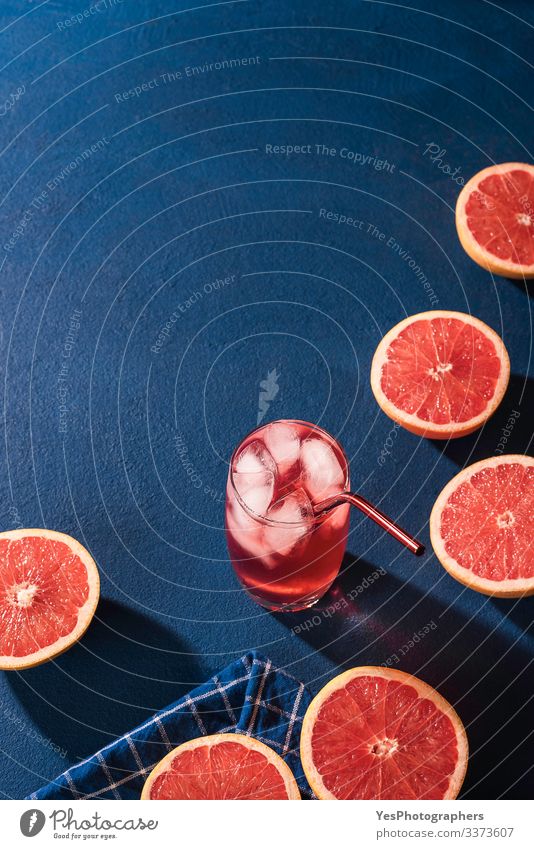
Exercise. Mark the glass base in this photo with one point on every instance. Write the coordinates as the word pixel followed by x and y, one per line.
pixel 291 607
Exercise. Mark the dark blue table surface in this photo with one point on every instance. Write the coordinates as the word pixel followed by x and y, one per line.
pixel 122 212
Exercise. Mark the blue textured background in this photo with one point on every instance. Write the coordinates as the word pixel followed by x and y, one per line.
pixel 181 192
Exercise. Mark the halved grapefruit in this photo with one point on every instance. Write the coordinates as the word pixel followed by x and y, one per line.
pixel 440 374
pixel 49 590
pixel 482 526
pixel 221 766
pixel 495 219
pixel 379 733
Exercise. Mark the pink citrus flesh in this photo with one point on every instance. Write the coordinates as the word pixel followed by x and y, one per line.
pixel 495 219
pixel 379 733
pixel 440 374
pixel 221 766
pixel 482 526
pixel 49 590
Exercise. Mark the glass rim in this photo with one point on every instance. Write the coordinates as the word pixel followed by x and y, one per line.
pixel 274 522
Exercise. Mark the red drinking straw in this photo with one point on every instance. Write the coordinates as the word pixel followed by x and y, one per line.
pixel 373 513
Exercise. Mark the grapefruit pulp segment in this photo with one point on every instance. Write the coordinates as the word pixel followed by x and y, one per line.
pixel 482 526
pixel 49 590
pixel 221 766
pixel 495 219
pixel 440 374
pixel 379 733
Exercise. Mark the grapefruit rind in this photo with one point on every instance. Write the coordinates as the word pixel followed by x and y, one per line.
pixel 85 613
pixel 474 249
pixel 512 588
pixel 424 690
pixel 410 421
pixel 164 765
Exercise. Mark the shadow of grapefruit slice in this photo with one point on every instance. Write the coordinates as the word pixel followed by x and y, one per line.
pixel 49 590
pixel 221 766
pixel 482 526
pixel 379 733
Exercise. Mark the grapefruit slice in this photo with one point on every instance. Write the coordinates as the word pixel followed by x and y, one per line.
pixel 49 590
pixel 379 733
pixel 440 374
pixel 482 526
pixel 495 219
pixel 221 766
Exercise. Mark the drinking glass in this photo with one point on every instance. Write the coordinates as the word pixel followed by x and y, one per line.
pixel 287 513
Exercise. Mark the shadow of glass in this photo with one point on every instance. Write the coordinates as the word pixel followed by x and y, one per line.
pixel 370 617
pixel 124 669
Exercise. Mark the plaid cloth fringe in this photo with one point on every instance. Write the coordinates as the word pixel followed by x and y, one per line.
pixel 250 696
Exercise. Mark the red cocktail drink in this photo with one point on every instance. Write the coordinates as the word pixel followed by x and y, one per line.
pixel 284 552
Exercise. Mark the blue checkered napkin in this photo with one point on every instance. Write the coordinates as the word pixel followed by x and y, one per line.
pixel 250 696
